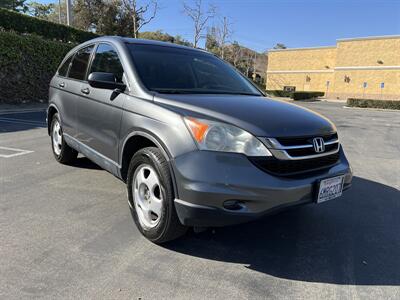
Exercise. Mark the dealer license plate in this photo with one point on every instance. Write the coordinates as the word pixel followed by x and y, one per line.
pixel 330 188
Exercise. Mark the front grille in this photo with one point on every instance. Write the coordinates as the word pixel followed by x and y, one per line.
pixel 293 167
pixel 310 151
pixel 294 141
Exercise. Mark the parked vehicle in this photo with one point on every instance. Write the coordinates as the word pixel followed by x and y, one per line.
pixel 197 144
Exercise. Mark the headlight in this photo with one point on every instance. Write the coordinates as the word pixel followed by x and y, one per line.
pixel 217 136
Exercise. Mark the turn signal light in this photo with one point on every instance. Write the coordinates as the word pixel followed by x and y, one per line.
pixel 197 128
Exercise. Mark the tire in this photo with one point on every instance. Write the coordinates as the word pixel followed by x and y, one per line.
pixel 62 152
pixel 151 198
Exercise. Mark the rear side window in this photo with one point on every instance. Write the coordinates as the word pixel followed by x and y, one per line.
pixel 106 60
pixel 63 70
pixel 80 63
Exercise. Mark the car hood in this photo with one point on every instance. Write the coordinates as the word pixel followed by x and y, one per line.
pixel 258 115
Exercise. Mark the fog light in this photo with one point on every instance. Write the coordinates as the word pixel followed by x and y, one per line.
pixel 234 205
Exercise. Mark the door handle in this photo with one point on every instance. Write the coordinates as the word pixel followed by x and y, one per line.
pixel 61 84
pixel 85 91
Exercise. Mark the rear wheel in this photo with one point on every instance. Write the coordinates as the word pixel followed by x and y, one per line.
pixel 62 152
pixel 151 196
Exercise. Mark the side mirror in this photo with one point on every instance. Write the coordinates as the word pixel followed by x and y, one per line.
pixel 104 80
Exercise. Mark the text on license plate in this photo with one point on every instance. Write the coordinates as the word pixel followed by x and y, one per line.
pixel 330 188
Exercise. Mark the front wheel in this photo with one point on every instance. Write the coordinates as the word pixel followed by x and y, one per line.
pixel 62 152
pixel 151 196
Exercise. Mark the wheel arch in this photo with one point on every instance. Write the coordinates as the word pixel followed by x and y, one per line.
pixel 136 141
pixel 51 111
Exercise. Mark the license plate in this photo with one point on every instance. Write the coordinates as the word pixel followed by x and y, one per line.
pixel 330 188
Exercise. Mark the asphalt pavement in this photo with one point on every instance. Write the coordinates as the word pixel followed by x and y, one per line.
pixel 66 231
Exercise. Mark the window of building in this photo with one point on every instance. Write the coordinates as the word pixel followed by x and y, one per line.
pixel 287 88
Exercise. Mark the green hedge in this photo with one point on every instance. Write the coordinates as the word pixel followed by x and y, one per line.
pixel 260 85
pixel 372 103
pixel 279 93
pixel 27 63
pixel 306 95
pixel 10 20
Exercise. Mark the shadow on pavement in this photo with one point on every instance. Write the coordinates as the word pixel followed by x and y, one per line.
pixel 353 240
pixel 86 163
pixel 20 121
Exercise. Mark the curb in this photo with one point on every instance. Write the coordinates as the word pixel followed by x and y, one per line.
pixel 20 111
pixel 9 109
pixel 371 108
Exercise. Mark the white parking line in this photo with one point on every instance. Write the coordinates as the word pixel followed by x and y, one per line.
pixel 18 152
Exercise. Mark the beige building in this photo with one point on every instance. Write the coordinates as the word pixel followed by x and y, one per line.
pixel 357 67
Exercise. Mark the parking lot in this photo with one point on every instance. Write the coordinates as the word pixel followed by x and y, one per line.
pixel 66 231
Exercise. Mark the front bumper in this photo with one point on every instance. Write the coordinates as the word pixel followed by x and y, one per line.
pixel 206 180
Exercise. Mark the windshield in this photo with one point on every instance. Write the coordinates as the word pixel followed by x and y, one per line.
pixel 183 71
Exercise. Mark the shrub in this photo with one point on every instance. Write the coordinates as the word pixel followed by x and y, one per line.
pixel 27 63
pixel 10 20
pixel 260 85
pixel 279 93
pixel 371 103
pixel 306 95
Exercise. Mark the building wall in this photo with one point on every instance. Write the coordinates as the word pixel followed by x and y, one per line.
pixel 371 60
pixel 302 59
pixel 306 69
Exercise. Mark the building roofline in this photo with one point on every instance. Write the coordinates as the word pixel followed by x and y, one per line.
pixel 378 37
pixel 304 48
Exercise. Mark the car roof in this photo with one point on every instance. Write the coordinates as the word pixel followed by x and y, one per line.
pixel 126 40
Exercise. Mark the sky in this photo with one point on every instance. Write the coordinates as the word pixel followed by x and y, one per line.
pixel 260 24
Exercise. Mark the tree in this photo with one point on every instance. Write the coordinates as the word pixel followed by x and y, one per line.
pixel 57 13
pixel 280 46
pixel 140 14
pixel 200 17
pixel 260 64
pixel 223 33
pixel 87 13
pixel 15 5
pixel 40 10
pixel 235 53
pixel 108 17
pixel 211 40
pixel 249 62
pixel 181 41
pixel 164 37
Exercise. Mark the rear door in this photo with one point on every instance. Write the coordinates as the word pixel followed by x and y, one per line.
pixel 100 110
pixel 65 97
pixel 73 85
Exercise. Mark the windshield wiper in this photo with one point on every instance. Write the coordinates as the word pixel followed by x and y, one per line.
pixel 247 94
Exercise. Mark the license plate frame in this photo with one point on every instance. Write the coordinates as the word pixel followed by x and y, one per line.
pixel 323 183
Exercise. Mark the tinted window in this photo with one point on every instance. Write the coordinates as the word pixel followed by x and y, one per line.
pixel 63 70
pixel 175 70
pixel 80 63
pixel 106 60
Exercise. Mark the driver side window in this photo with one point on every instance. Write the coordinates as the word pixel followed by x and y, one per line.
pixel 106 60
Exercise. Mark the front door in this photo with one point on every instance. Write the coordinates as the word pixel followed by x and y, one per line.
pixel 99 111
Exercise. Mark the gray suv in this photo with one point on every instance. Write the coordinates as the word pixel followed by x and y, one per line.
pixel 197 144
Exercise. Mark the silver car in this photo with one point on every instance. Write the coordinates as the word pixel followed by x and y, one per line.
pixel 197 144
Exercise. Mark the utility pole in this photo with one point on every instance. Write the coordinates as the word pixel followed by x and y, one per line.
pixel 69 13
